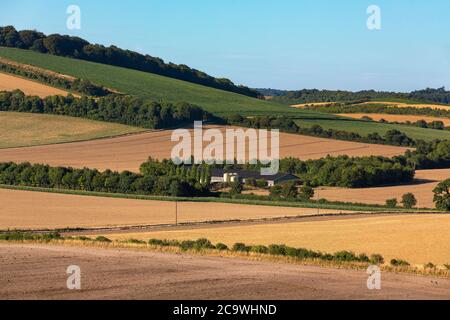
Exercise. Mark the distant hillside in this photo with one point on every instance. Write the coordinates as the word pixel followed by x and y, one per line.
pixel 439 95
pixel 75 47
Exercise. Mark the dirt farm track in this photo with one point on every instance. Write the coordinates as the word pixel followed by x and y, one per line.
pixel 39 272
pixel 129 152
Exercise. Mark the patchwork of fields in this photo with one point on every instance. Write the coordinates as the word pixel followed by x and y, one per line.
pixel 129 152
pixel 395 117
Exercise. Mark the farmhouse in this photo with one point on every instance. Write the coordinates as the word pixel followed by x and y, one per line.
pixel 223 176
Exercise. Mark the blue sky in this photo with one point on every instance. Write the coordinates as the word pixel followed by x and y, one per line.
pixel 285 44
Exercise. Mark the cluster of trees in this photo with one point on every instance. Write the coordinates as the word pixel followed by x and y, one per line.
pixel 291 190
pixel 435 125
pixel 428 155
pixel 442 195
pixel 166 180
pixel 75 47
pixel 380 108
pixel 78 85
pixel 391 137
pixel 409 201
pixel 439 95
pixel 112 108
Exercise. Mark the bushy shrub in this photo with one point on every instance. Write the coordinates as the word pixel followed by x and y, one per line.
pixel 277 250
pixel 399 263
pixel 430 265
pixel 135 241
pixel 240 247
pixel 102 239
pixel 259 249
pixel 203 244
pixel 345 256
pixel 376 259
pixel 187 245
pixel 221 246
pixel 391 203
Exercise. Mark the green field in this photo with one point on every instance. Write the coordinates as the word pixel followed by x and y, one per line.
pixel 155 87
pixel 28 129
pixel 366 127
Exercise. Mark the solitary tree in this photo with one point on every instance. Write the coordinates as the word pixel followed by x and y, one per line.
pixel 409 200
pixel 442 195
pixel 391 203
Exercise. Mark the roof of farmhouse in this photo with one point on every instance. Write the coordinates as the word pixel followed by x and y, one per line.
pixel 245 174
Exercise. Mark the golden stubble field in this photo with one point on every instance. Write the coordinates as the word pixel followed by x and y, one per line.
pixel 10 83
pixel 395 117
pixel 129 152
pixel 423 191
pixel 38 211
pixel 419 239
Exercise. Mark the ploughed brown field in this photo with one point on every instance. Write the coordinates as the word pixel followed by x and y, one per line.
pixel 39 272
pixel 26 210
pixel 129 152
pixel 426 181
pixel 395 117
pixel 417 238
pixel 10 83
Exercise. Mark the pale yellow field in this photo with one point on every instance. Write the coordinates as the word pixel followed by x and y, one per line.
pixel 419 239
pixel 422 191
pixel 26 129
pixel 10 83
pixel 36 210
pixel 395 117
pixel 406 105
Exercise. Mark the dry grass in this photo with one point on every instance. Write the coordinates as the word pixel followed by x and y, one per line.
pixel 418 239
pixel 422 191
pixel 9 83
pixel 409 105
pixel 128 153
pixel 26 129
pixel 395 118
pixel 38 211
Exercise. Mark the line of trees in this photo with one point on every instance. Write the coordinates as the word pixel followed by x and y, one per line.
pixel 439 95
pixel 112 108
pixel 75 47
pixel 165 180
pixel 391 137
pixel 78 85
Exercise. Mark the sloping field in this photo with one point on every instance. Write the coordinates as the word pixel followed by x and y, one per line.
pixel 365 127
pixel 395 117
pixel 39 210
pixel 10 83
pixel 417 238
pixel 28 129
pixel 34 272
pixel 423 191
pixel 129 152
pixel 153 86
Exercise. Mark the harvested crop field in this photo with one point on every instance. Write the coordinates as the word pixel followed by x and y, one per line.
pixel 410 105
pixel 395 118
pixel 38 210
pixel 39 272
pixel 10 83
pixel 129 152
pixel 418 239
pixel 27 129
pixel 423 190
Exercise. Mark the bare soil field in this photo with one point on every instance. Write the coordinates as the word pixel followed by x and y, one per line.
pixel 37 210
pixel 426 180
pixel 39 272
pixel 395 118
pixel 10 83
pixel 129 152
pixel 27 129
pixel 419 239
